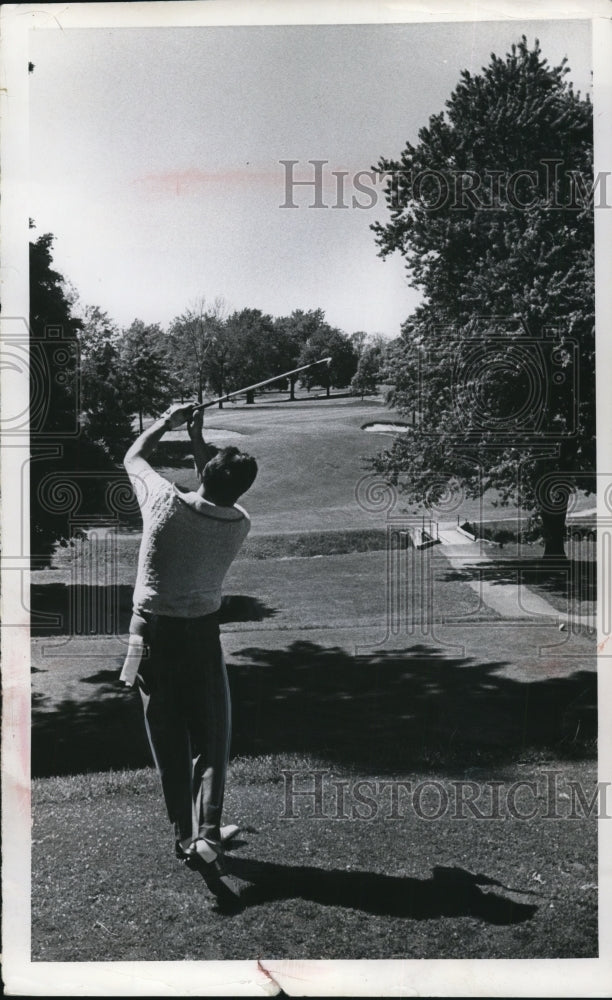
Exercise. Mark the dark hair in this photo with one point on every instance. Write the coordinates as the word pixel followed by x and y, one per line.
pixel 228 475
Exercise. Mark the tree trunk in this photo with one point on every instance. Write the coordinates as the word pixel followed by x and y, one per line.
pixel 140 420
pixel 292 390
pixel 328 387
pixel 553 531
pixel 250 396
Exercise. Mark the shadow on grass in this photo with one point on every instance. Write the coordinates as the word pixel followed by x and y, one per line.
pixel 450 892
pixel 569 578
pixel 413 705
pixel 105 732
pixel 409 708
pixel 78 609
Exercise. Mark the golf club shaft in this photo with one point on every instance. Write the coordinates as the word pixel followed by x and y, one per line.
pixel 259 385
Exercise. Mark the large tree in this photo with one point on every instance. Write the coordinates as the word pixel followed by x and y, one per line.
pixel 492 211
pixel 52 322
pixel 252 348
pixel 199 348
pixel 327 341
pixel 293 332
pixel 152 385
pixel 370 366
pixel 105 383
pixel 69 472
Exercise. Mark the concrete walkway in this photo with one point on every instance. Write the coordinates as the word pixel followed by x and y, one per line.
pixel 511 600
pixel 449 535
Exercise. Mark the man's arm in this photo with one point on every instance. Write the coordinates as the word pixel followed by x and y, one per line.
pixel 202 452
pixel 136 457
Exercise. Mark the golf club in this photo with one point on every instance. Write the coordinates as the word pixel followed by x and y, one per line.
pixel 259 385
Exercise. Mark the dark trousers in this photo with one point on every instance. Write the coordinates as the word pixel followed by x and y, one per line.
pixel 185 696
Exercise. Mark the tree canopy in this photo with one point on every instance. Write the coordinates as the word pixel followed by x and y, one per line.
pixel 369 368
pixel 105 384
pixel 68 470
pixel 198 348
pixel 150 384
pixel 327 341
pixel 492 211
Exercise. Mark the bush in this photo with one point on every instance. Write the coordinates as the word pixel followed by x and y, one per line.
pixel 501 533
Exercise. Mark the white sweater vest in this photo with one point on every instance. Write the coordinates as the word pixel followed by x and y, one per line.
pixel 188 545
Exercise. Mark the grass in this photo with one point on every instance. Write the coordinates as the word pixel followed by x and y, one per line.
pixel 525 533
pixel 96 785
pixel 311 458
pixel 107 888
pixel 314 543
pixel 471 700
pixel 444 699
pixel 352 590
pixel 334 576
pixel 296 544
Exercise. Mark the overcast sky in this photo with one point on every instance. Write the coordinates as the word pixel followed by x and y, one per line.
pixel 155 157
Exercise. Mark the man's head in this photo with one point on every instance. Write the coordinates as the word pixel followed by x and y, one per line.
pixel 228 475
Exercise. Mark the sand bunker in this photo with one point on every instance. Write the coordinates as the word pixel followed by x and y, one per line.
pixel 386 428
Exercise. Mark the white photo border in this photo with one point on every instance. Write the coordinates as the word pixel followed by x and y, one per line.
pixel 571 977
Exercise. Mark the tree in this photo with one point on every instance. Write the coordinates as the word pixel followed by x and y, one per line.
pixel 492 212
pixel 105 384
pixel 294 332
pixel 359 340
pixel 151 384
pixel 369 369
pixel 51 319
pixel 253 353
pixel 60 446
pixel 328 342
pixel 199 347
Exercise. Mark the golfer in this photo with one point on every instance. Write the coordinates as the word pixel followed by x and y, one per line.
pixel 188 543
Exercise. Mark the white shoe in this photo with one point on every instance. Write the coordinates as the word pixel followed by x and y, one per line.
pixel 184 849
pixel 209 861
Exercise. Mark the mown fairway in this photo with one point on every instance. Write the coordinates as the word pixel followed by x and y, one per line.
pixel 311 457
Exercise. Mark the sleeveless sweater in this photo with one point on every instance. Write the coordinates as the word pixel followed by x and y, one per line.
pixel 187 547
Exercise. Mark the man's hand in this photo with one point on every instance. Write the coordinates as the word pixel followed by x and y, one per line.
pixel 195 424
pixel 178 414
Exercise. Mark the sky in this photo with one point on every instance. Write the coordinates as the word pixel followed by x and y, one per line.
pixel 155 157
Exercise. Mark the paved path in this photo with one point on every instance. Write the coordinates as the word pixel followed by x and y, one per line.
pixel 511 600
pixel 449 535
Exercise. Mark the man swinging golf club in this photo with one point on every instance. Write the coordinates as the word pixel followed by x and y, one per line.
pixel 188 544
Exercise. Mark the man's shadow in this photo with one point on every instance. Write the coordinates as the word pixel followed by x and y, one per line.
pixel 450 892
